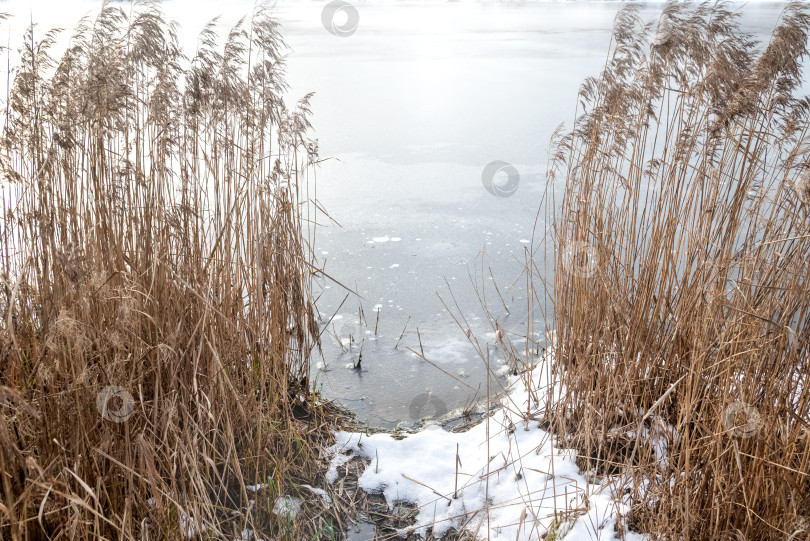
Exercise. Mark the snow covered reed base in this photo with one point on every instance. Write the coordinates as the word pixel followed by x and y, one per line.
pixel 526 489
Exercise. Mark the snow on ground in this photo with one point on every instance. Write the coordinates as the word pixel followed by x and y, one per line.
pixel 530 486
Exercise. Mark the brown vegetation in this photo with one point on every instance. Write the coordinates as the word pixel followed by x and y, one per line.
pixel 155 239
pixel 682 286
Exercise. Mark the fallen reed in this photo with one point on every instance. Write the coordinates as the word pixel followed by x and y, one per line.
pixel 155 246
pixel 681 282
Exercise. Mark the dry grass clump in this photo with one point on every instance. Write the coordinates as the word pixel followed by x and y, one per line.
pixel 682 285
pixel 155 238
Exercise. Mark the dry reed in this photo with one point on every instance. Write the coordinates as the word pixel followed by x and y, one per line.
pixel 681 292
pixel 155 238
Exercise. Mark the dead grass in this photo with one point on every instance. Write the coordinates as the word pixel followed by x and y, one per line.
pixel 156 237
pixel 681 292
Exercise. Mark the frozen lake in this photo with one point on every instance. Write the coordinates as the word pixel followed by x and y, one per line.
pixel 410 108
pixel 414 105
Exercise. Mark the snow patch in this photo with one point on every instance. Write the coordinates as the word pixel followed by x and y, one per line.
pixel 530 481
pixel 287 506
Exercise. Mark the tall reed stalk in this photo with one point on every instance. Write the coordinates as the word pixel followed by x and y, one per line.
pixel 154 238
pixel 682 286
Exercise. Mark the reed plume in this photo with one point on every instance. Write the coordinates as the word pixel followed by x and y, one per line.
pixel 681 291
pixel 155 239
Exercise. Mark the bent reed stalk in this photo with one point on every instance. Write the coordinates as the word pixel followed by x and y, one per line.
pixel 681 292
pixel 155 238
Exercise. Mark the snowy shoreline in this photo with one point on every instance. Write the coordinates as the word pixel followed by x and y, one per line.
pixel 527 489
